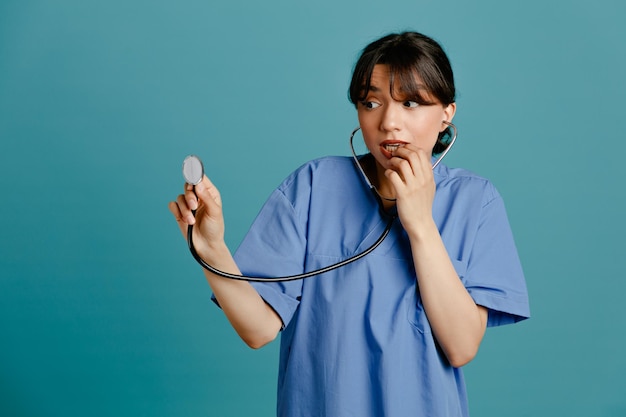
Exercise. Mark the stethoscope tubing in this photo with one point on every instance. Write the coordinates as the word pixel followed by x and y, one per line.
pixel 295 277
pixel 389 225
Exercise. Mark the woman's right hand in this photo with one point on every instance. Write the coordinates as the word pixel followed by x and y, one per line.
pixel 208 231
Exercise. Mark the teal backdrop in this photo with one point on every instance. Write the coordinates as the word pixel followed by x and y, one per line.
pixel 102 310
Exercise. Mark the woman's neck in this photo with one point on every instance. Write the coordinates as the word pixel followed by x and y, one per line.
pixel 376 175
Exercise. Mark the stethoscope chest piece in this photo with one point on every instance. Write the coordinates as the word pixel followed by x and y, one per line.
pixel 193 170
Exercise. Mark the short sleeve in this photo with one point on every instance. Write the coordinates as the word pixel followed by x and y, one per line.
pixel 494 276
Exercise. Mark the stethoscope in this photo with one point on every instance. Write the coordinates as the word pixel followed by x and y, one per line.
pixel 193 171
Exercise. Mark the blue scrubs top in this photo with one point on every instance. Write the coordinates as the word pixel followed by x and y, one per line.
pixel 356 340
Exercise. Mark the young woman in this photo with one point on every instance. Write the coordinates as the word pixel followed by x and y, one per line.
pixel 388 334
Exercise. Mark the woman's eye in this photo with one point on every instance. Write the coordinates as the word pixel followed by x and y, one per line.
pixel 410 103
pixel 370 104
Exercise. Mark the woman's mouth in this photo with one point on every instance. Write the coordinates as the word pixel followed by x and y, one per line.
pixel 388 148
pixel 391 147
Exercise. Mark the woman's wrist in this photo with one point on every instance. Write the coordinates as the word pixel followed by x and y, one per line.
pixel 423 231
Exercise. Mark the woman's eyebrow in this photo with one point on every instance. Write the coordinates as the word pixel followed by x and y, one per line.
pixel 372 88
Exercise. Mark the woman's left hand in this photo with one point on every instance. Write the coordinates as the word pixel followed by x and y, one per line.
pixel 411 175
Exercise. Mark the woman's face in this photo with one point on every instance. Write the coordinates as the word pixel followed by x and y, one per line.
pixel 387 123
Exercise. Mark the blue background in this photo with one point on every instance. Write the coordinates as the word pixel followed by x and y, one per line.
pixel 102 310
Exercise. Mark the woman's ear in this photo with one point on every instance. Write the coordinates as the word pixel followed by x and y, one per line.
pixel 448 113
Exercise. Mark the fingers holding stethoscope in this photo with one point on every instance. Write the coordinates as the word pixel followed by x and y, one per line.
pixel 201 203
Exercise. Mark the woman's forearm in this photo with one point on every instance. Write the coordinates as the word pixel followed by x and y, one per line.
pixel 252 318
pixel 457 322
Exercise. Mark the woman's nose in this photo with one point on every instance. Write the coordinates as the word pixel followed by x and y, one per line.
pixel 391 118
